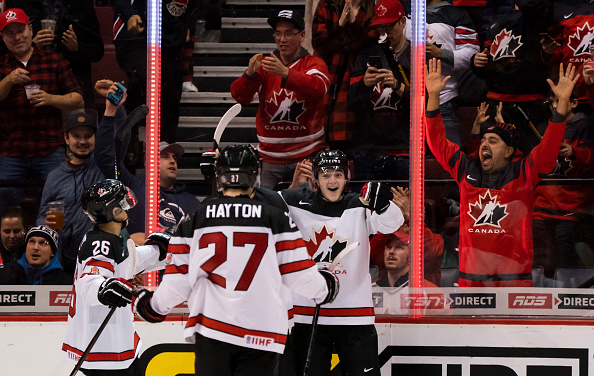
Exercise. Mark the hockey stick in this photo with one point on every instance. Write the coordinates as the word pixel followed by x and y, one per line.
pixel 131 270
pixel 314 323
pixel 225 120
pixel 532 127
pixel 133 118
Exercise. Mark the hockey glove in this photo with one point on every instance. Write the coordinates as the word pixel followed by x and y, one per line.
pixel 142 306
pixel 333 286
pixel 160 239
pixel 115 292
pixel 376 196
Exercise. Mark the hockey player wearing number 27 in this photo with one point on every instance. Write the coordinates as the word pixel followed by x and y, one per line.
pixel 104 265
pixel 229 262
pixel 330 220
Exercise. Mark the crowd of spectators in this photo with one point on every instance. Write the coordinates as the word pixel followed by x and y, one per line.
pixel 352 93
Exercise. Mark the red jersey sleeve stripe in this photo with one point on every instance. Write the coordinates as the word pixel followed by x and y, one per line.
pixel 100 264
pixel 232 329
pixel 289 245
pixel 296 266
pixel 175 269
pixel 466 41
pixel 178 248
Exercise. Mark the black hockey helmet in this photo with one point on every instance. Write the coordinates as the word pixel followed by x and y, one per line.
pixel 99 200
pixel 331 159
pixel 238 166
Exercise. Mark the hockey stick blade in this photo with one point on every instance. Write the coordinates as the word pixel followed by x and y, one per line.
pixel 133 118
pixel 225 120
pixel 341 255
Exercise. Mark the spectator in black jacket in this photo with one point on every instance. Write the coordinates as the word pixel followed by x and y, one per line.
pixel 513 69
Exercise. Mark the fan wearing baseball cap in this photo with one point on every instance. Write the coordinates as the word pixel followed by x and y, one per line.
pixel 31 135
pixel 396 252
pixel 291 85
pixel 496 193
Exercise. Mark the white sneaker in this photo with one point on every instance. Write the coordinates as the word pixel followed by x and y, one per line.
pixel 188 86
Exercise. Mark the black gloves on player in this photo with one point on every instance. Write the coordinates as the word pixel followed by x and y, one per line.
pixel 115 292
pixel 160 239
pixel 332 283
pixel 142 306
pixel 376 196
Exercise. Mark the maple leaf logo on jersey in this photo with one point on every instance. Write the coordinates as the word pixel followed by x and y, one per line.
pixel 431 38
pixel 505 45
pixel 324 245
pixel 581 40
pixel 382 98
pixel 283 108
pixel 487 211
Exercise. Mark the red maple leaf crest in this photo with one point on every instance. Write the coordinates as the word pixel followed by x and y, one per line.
pixel 381 11
pixel 505 45
pixel 579 42
pixel 314 241
pixel 487 210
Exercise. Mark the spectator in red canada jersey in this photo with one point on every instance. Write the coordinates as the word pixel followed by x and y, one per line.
pixel 559 208
pixel 496 192
pixel 569 39
pixel 31 135
pixel 290 85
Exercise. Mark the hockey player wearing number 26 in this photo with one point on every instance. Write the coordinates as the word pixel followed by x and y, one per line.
pixel 103 266
pixel 229 262
pixel 497 195
pixel 330 220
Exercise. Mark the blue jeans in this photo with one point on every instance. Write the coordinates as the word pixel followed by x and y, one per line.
pixel 376 166
pixel 449 114
pixel 17 169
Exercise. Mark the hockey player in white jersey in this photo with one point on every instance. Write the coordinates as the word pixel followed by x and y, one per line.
pixel 330 220
pixel 229 262
pixel 103 267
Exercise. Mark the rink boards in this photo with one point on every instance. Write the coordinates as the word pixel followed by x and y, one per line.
pixel 524 332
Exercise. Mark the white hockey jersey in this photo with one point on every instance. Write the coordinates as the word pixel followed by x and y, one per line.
pixel 328 228
pixel 103 255
pixel 230 262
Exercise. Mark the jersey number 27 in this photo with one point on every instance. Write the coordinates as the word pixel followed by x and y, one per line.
pixel 240 239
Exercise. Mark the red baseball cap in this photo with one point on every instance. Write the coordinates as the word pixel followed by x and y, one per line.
pixel 13 15
pixel 387 12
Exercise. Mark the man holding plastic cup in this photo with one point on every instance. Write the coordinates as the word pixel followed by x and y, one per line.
pixel 31 135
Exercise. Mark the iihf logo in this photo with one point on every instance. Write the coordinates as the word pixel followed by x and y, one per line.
pixel 505 45
pixel 487 211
